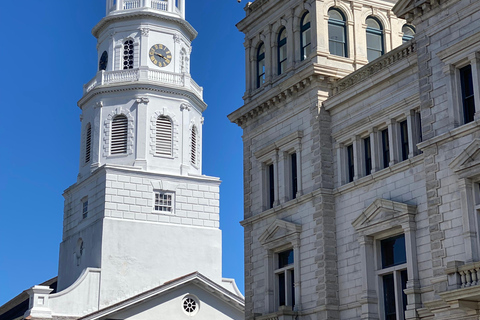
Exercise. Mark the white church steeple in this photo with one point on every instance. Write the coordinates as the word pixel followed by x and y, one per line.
pixel 141 211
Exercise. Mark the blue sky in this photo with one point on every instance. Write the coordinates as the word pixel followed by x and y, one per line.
pixel 50 54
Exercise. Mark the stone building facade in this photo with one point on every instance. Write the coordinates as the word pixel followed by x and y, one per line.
pixel 361 159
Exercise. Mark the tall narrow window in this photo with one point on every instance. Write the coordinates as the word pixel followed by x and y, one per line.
pixel 367 150
pixel 293 160
pixel 119 135
pixel 385 148
pixel 404 140
pixel 337 33
pixel 467 94
pixel 305 37
pixel 260 65
pixel 88 143
pixel 350 164
pixel 193 141
pixel 282 50
pixel 84 208
pixel 128 54
pixel 163 136
pixel 408 32
pixel 271 185
pixel 374 39
pixel 393 274
pixel 285 278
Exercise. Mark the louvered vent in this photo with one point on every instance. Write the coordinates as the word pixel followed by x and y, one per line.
pixel 164 136
pixel 119 135
pixel 88 143
pixel 193 155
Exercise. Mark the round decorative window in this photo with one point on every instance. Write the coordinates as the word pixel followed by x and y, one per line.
pixel 190 305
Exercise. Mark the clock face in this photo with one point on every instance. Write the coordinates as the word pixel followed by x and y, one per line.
pixel 102 65
pixel 160 55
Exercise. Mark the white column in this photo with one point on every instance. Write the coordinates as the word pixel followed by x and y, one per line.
pixel 171 4
pixel 182 8
pixel 375 144
pixel 393 142
pixel 411 134
pixel 277 180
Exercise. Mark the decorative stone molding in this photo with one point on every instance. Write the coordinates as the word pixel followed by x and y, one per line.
pixel 185 106
pixel 145 31
pixel 175 131
pixel 107 129
pixel 176 38
pixel 142 100
pixel 99 104
pixel 366 72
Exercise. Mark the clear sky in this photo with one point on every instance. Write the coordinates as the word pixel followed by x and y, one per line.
pixel 49 53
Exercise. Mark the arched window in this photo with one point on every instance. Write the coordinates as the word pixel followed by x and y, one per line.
pixel 88 143
pixel 337 33
pixel 374 38
pixel 260 65
pixel 163 136
pixel 128 54
pixel 282 50
pixel 305 36
pixel 119 135
pixel 408 32
pixel 193 141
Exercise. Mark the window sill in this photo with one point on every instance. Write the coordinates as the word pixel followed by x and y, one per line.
pixel 285 313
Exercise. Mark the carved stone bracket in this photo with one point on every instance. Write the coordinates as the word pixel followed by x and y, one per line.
pixel 99 104
pixel 145 31
pixel 142 100
pixel 185 106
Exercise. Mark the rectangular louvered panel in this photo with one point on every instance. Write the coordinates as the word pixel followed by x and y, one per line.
pixel 88 144
pixel 163 141
pixel 193 155
pixel 119 135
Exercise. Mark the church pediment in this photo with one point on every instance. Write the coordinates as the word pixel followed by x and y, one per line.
pixel 467 163
pixel 405 8
pixel 188 296
pixel 280 231
pixel 383 214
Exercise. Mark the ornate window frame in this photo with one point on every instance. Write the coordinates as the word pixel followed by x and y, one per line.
pixel 107 131
pixel 384 219
pixel 281 235
pixel 153 129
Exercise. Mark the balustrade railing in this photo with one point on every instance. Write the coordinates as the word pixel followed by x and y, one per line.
pixel 463 276
pixel 161 5
pixel 132 75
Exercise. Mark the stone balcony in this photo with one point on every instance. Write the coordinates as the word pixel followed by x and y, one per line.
pixel 144 75
pixel 171 6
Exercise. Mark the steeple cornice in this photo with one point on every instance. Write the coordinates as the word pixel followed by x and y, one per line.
pixel 186 27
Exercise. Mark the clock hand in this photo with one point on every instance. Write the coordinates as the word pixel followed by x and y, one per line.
pixel 161 56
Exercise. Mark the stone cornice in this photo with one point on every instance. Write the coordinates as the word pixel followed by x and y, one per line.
pixel 243 115
pixel 414 9
pixel 366 72
pixel 141 86
pixel 141 13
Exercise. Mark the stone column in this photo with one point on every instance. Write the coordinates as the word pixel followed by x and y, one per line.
pixel 393 142
pixel 276 179
pixel 375 148
pixel 368 299
pixel 141 134
pixel 411 134
pixel 357 158
pixel 249 75
pixel 467 204
pixel 412 291
pixel 282 177
pixel 297 282
pixel 360 40
pixel 268 55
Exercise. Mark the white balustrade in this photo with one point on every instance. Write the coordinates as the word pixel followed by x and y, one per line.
pixel 131 75
pixel 159 5
pixel 131 4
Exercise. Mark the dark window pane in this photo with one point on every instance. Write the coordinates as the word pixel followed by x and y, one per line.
pixel 404 279
pixel 292 286
pixel 285 258
pixel 404 139
pixel 368 156
pixel 271 185
pixel 350 163
pixel 393 251
pixel 293 159
pixel 389 297
pixel 385 149
pixel 467 94
pixel 281 289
